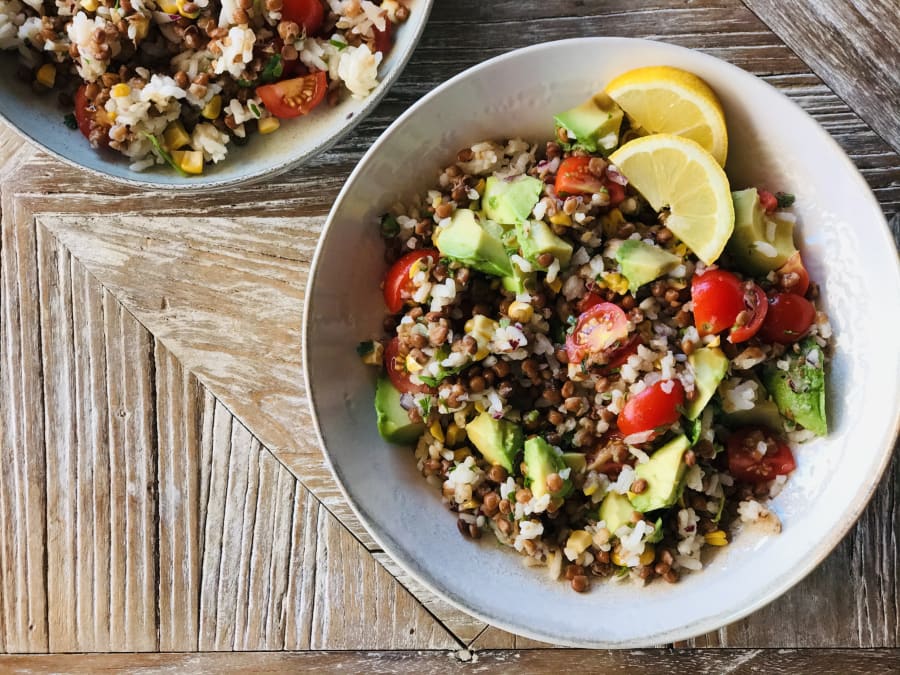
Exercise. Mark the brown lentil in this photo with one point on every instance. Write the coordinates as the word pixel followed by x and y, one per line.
pixel 579 583
pixel 639 486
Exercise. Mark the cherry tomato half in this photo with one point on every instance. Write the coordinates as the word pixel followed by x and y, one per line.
pixel 91 119
pixel 792 276
pixel 306 13
pixel 653 408
pixel 620 356
pixel 589 300
pixel 292 98
pixel 575 178
pixel 396 370
pixel 599 332
pixel 398 286
pixel 747 464
pixel 718 298
pixel 756 303
pixel 788 319
pixel 767 200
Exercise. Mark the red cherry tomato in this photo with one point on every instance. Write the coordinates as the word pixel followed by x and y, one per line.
pixel 620 356
pixel 307 13
pixel 574 177
pixel 396 370
pixel 384 39
pixel 292 98
pixel 747 464
pixel 653 408
pixel 756 303
pixel 767 200
pixel 788 319
pixel 718 298
pixel 398 286
pixel 599 332
pixel 798 284
pixel 89 118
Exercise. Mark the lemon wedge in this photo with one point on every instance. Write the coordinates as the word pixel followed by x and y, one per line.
pixel 666 100
pixel 676 173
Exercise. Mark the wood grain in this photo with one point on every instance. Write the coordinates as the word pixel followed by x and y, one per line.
pixel 149 360
pixel 671 662
pixel 862 60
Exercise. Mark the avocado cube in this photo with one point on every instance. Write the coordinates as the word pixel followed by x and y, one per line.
pixel 799 392
pixel 541 460
pixel 498 441
pixel 641 262
pixel 467 241
pixel 594 124
pixel 615 511
pixel 664 473
pixel 536 238
pixel 511 201
pixel 393 421
pixel 759 243
pixel 710 366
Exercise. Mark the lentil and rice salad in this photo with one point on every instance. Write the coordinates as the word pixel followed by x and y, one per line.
pixel 575 379
pixel 177 82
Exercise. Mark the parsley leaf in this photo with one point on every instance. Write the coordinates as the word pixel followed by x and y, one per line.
pixel 70 121
pixel 273 69
pixel 338 44
pixel 162 152
pixel 785 200
pixel 389 226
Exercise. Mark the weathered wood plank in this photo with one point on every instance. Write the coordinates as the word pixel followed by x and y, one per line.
pixel 689 662
pixel 852 45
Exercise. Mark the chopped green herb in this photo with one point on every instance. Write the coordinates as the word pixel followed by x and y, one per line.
pixel 785 199
pixel 70 121
pixel 621 572
pixel 504 323
pixel 719 512
pixel 162 152
pixel 693 431
pixel 338 44
pixel 244 83
pixel 365 347
pixel 117 5
pixel 425 405
pixel 273 69
pixel 657 534
pixel 389 226
pixel 531 417
pixel 254 109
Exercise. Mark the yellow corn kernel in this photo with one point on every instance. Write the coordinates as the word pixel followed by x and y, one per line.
pixel 188 15
pixel 578 542
pixel 561 218
pixel 268 124
pixel 591 489
pixel 482 354
pixel 717 538
pixel 461 454
pixel 616 218
pixel 112 116
pixel 141 26
pixel 168 6
pixel 555 285
pixel 644 559
pixel 120 90
pixel 470 326
pixel 89 5
pixel 437 432
pixel 680 250
pixel 471 504
pixel 454 435
pixel 479 407
pixel 521 311
pixel 616 282
pixel 175 136
pixel 482 324
pixel 479 187
pixel 412 366
pixel 190 161
pixel 213 108
pixel 46 75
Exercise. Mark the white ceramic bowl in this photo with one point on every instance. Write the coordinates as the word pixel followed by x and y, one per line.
pixel 40 119
pixel 844 240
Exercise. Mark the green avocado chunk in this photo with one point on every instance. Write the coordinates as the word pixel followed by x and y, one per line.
pixel 799 391
pixel 536 238
pixel 575 461
pixel 498 441
pixel 594 124
pixel 710 366
pixel 511 201
pixel 519 281
pixel 664 473
pixel 393 422
pixel 750 244
pixel 540 461
pixel 616 511
pixel 467 241
pixel 764 412
pixel 641 262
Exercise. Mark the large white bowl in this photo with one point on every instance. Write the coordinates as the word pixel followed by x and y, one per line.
pixel 845 241
pixel 40 119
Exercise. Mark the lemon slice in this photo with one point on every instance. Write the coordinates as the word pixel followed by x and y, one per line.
pixel 666 100
pixel 675 172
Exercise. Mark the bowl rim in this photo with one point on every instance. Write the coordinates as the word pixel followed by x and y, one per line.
pixel 214 185
pixel 697 627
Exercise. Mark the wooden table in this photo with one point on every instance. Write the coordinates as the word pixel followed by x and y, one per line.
pixel 161 487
